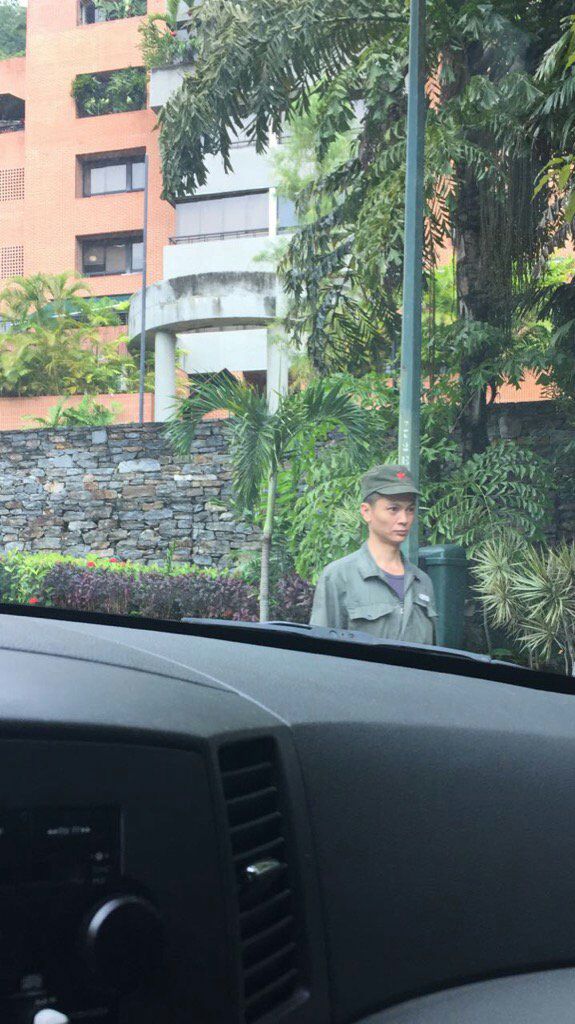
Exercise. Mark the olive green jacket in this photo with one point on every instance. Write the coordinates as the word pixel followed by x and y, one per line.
pixel 353 593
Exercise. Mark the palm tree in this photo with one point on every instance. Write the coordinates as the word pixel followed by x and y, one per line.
pixel 262 442
pixel 39 298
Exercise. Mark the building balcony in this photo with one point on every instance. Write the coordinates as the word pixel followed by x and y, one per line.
pixel 236 253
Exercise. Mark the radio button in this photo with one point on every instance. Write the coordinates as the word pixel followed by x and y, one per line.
pixel 122 942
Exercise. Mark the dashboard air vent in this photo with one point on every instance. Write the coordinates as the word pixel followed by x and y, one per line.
pixel 267 925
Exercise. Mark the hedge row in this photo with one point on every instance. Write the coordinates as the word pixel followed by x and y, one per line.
pixel 131 589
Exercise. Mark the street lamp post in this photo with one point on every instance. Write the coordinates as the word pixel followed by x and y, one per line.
pixel 410 378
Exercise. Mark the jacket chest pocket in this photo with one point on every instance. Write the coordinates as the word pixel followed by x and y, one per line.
pixel 422 627
pixel 378 618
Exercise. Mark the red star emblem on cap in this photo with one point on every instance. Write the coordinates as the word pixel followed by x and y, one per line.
pixel 400 476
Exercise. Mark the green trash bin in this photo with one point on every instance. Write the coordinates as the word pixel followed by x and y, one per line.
pixel 446 565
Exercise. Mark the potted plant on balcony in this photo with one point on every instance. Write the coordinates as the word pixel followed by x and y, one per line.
pixel 164 41
pixel 115 10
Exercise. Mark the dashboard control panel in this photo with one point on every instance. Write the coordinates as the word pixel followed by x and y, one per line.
pixel 75 930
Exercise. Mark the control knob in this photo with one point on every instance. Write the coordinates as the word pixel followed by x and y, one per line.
pixel 122 942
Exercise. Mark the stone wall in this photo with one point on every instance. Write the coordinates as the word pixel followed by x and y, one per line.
pixel 545 429
pixel 117 491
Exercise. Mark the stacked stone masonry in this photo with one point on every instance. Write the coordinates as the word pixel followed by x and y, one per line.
pixel 118 491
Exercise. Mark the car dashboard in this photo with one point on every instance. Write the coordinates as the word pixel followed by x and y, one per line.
pixel 204 831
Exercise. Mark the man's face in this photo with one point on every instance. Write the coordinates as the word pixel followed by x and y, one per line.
pixel 390 519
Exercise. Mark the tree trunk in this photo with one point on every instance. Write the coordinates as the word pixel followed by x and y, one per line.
pixel 266 548
pixel 473 304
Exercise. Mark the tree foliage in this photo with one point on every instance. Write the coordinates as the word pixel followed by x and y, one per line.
pixel 262 442
pixel 12 29
pixel 490 133
pixel 52 343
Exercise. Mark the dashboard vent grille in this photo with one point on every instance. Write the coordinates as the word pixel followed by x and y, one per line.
pixel 267 924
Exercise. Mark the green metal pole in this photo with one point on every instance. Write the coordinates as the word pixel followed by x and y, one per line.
pixel 142 388
pixel 410 379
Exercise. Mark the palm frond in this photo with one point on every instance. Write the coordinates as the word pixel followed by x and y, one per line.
pixel 249 428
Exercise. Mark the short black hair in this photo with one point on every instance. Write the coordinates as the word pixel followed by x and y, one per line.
pixel 372 498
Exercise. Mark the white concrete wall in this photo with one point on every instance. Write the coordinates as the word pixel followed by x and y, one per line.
pixel 164 82
pixel 212 351
pixel 221 256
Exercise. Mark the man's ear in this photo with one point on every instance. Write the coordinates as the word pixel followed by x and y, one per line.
pixel 365 509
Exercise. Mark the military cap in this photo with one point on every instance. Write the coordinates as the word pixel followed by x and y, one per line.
pixel 386 480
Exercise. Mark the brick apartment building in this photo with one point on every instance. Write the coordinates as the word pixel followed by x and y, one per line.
pixel 71 186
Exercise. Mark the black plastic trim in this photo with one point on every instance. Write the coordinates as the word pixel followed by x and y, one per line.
pixel 404 655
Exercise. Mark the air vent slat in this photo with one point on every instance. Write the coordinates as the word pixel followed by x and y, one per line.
pixel 268 934
pixel 238 801
pixel 263 965
pixel 258 851
pixel 268 931
pixel 257 823
pixel 252 805
pixel 258 913
pixel 282 988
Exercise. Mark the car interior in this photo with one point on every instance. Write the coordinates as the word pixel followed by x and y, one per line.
pixel 209 826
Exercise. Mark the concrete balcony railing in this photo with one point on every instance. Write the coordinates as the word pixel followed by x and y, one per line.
pixel 231 255
pixel 218 236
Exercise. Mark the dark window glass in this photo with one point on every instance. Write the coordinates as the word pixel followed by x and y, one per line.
pixel 94 258
pixel 112 256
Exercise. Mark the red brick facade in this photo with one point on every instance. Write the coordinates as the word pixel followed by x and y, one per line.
pixel 42 210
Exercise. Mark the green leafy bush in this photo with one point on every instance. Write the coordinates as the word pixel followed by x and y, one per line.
pixel 87 414
pixel 112 92
pixel 171 591
pixel 161 43
pixel 22 575
pixel 506 487
pixel 114 10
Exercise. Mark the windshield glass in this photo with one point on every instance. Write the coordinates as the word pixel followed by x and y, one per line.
pixel 287 316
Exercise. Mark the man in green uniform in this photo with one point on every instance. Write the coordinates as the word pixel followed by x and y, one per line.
pixel 375 590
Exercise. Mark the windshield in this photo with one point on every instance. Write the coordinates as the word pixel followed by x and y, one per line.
pixel 287 316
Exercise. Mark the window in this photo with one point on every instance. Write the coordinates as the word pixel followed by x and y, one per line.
pixel 287 215
pixel 104 177
pixel 223 216
pixel 112 256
